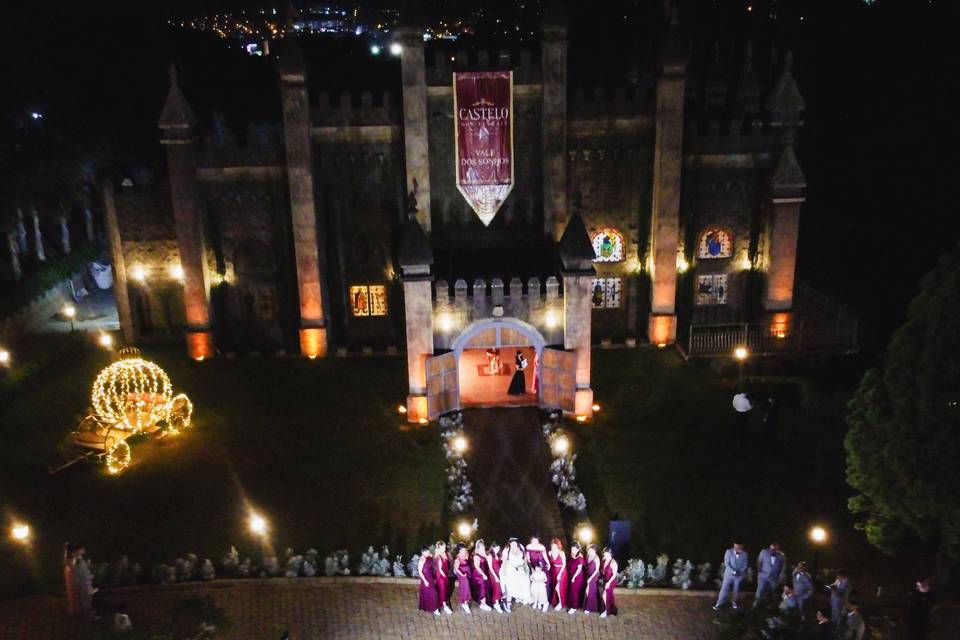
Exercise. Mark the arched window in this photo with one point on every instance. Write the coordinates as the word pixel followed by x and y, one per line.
pixel 608 246
pixel 715 243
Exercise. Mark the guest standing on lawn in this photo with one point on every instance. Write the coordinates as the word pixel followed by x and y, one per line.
pixel 494 561
pixel 558 575
pixel 429 597
pixel 922 600
pixel 735 563
pixel 592 604
pixel 69 563
pixel 610 571
pixel 481 581
pixel 802 587
pixel 839 595
pixel 443 575
pixel 83 583
pixel 575 592
pixel 461 569
pixel 770 564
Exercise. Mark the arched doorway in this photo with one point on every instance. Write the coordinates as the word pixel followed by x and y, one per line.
pixel 486 352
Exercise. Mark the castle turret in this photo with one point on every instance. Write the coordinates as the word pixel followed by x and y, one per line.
pixel 415 141
pixel 415 258
pixel 177 126
pixel 554 123
pixel 306 243
pixel 786 195
pixel 576 256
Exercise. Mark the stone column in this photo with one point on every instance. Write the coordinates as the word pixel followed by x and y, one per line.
pixel 415 258
pixel 554 125
pixel 665 223
pixel 177 127
pixel 15 271
pixel 38 237
pixel 577 312
pixel 783 224
pixel 299 146
pixel 415 141
pixel 120 292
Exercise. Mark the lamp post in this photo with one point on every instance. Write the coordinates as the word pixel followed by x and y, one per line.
pixel 818 536
pixel 70 312
pixel 740 354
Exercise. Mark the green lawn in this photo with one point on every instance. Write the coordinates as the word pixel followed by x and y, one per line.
pixel 314 445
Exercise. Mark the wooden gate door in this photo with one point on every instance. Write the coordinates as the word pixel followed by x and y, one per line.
pixel 443 386
pixel 558 380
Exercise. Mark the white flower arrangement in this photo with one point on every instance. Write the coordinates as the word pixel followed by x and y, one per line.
pixel 337 564
pixel 373 563
pixel 207 572
pixel 459 489
pixel 398 570
pixel 703 573
pixel 632 576
pixel 563 471
pixel 658 574
pixel 682 572
pixel 413 566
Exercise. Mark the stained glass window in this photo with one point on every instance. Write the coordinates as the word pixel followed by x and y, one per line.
pixel 715 243
pixel 606 292
pixel 608 246
pixel 712 289
pixel 368 300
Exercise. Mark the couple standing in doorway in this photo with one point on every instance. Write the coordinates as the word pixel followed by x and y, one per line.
pixel 518 384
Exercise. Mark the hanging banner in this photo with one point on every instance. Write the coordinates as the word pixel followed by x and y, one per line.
pixel 483 138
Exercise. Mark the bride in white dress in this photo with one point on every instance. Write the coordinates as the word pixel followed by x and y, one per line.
pixel 514 574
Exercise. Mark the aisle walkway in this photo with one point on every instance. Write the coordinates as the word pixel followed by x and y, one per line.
pixel 509 466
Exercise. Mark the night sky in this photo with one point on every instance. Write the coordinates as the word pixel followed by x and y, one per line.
pixel 878 146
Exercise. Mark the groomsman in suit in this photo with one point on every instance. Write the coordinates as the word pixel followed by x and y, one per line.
pixel 735 563
pixel 802 586
pixel 770 565
pixel 839 596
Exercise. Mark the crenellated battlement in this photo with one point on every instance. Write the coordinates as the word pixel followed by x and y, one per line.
pixel 348 109
pixel 261 145
pixel 537 303
pixel 442 64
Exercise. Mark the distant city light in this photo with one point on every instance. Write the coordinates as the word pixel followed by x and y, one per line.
pixel 375 49
pixel 395 49
pixel 36 115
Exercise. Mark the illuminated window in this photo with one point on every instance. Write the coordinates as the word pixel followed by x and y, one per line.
pixel 368 300
pixel 712 289
pixel 608 246
pixel 715 243
pixel 606 293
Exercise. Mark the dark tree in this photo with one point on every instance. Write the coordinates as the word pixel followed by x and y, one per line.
pixel 903 443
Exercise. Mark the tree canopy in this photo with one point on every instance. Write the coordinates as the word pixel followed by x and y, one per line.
pixel 903 443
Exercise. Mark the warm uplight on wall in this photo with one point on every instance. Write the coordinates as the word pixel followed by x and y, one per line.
pixel 176 272
pixel 138 273
pixel 445 321
pixel 552 319
pixel 682 264
pixel 401 408
pixel 581 418
pixel 744 263
pixel 596 408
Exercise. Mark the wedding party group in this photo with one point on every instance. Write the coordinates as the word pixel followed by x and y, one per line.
pixel 497 579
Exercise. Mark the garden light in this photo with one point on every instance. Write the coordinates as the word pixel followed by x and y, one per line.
pixel 818 535
pixel 464 529
pixel 4 357
pixel 584 534
pixel 69 311
pixel 396 49
pixel 561 445
pixel 596 408
pixel 581 418
pixel 20 532
pixel 105 340
pixel 424 421
pixel 258 524
pixel 741 353
pixel 401 409
pixel 375 49
pixel 460 444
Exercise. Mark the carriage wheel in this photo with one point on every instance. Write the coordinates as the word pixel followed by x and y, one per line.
pixel 118 456
pixel 181 413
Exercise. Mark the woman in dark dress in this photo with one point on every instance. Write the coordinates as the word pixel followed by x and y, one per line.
pixel 461 569
pixel 592 604
pixel 481 581
pixel 575 592
pixel 518 385
pixel 443 575
pixel 558 575
pixel 494 561
pixel 609 579
pixel 429 600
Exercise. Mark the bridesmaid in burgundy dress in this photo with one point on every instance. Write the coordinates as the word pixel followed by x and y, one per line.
pixel 494 561
pixel 537 554
pixel 481 582
pixel 461 569
pixel 443 575
pixel 558 575
pixel 428 583
pixel 609 583
pixel 575 593
pixel 592 604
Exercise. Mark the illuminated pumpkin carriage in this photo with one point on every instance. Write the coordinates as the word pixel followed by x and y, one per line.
pixel 130 396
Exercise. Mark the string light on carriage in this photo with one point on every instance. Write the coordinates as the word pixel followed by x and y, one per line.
pixel 20 532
